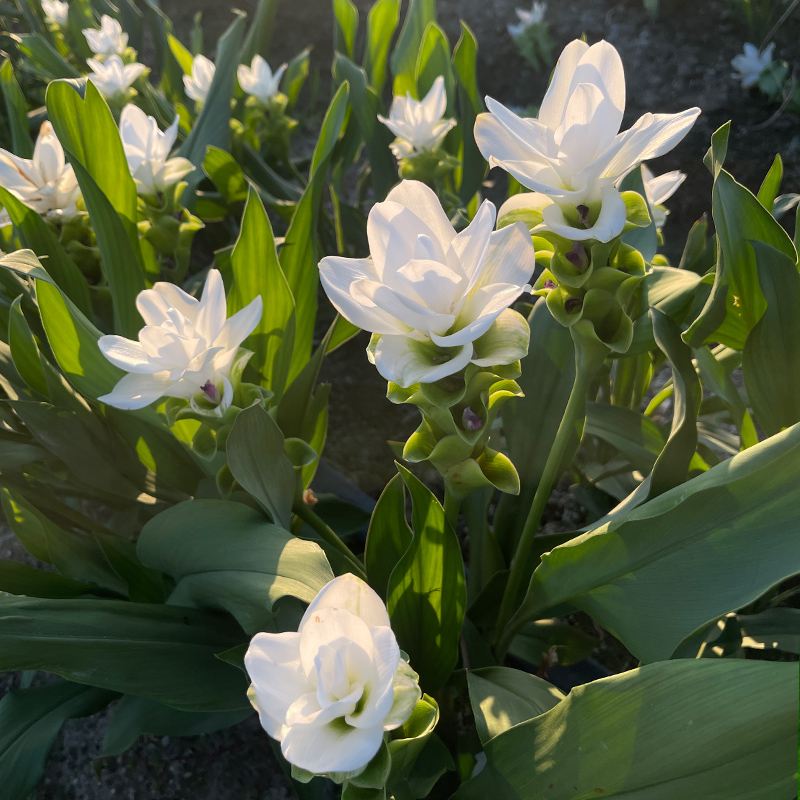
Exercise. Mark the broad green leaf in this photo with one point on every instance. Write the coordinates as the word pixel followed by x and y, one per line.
pixel 20 579
pixel 260 33
pixel 666 569
pixel 404 58
pixel 257 272
pixel 226 175
pixel 212 126
pixel 226 556
pixel 717 730
pixel 134 716
pixel 771 184
pixel 16 112
pixel 166 653
pixel 772 351
pixel 568 644
pixel 24 350
pixel 531 421
pixel 366 106
pixel 634 435
pixel 298 255
pixel 345 14
pixel 433 60
pixel 388 537
pixel 43 59
pixel 30 720
pixel 382 22
pixel 257 460
pixel 503 697
pixel 35 235
pixel 470 104
pixel 426 596
pixel 296 75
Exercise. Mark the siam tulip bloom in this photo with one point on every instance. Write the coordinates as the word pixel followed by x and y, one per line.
pixel 751 63
pixel 573 155
pixel 46 182
pixel 110 40
pixel 55 12
pixel 113 78
pixel 435 300
pixel 187 348
pixel 418 124
pixel 659 190
pixel 258 80
pixel 328 692
pixel 199 82
pixel 527 19
pixel 147 150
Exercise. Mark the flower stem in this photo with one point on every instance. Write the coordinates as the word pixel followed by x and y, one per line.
pixel 573 415
pixel 452 505
pixel 329 536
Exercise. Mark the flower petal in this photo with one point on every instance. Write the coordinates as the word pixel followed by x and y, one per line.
pixel 351 594
pixel 135 391
pixel 422 201
pixel 126 354
pixel 551 112
pixel 610 221
pixel 505 342
pixel 406 361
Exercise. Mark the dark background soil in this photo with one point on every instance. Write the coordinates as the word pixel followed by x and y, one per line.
pixel 678 61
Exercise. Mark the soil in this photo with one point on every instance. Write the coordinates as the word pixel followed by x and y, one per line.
pixel 678 61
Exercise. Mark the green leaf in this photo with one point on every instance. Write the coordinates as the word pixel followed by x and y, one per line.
pixel 644 239
pixel 226 556
pixel 720 730
pixel 771 184
pixel 433 60
pixel 388 537
pixel 257 460
pixel 419 15
pixel 470 104
pixel 166 653
pixel 20 579
pixel 344 35
pixel 634 435
pixel 503 697
pixel 298 255
pixel 35 234
pixel 43 59
pixel 772 350
pixel 426 596
pixel 16 112
pixel 685 558
pixel 382 22
pixel 212 126
pixel 30 720
pixel 366 106
pixel 24 350
pixel 257 271
pixel 407 742
pixel 260 33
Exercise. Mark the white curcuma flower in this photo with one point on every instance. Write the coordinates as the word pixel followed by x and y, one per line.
pixel 45 182
pixel 573 154
pixel 258 79
pixel 188 348
pixel 198 84
pixel 751 63
pixel 435 300
pixel 147 151
pixel 328 692
pixel 55 12
pixel 659 189
pixel 113 78
pixel 110 40
pixel 418 124
pixel 527 19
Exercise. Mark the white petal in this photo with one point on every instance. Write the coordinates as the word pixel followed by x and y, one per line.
pixel 660 189
pixel 385 661
pixel 610 221
pixel 405 695
pixel 423 202
pixel 212 310
pixel 326 625
pixel 238 327
pixel 406 361
pixel 126 354
pixel 551 111
pixel 137 391
pixel 469 249
pixel 435 102
pixel 511 258
pixel 351 594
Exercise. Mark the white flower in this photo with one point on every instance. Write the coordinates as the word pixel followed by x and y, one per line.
pixel 147 150
pixel 750 64
pixel 55 12
pixel 328 692
pixel 572 155
pixel 187 348
pixel 527 19
pixel 199 82
pixel 258 80
pixel 46 182
pixel 659 189
pixel 418 124
pixel 112 77
pixel 110 40
pixel 437 300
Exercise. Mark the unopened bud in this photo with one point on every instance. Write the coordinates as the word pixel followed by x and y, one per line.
pixel 583 216
pixel 211 392
pixel 471 421
pixel 548 284
pixel 577 257
pixel 573 304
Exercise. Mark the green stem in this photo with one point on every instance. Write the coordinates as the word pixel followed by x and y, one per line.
pixel 452 506
pixel 573 413
pixel 329 536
